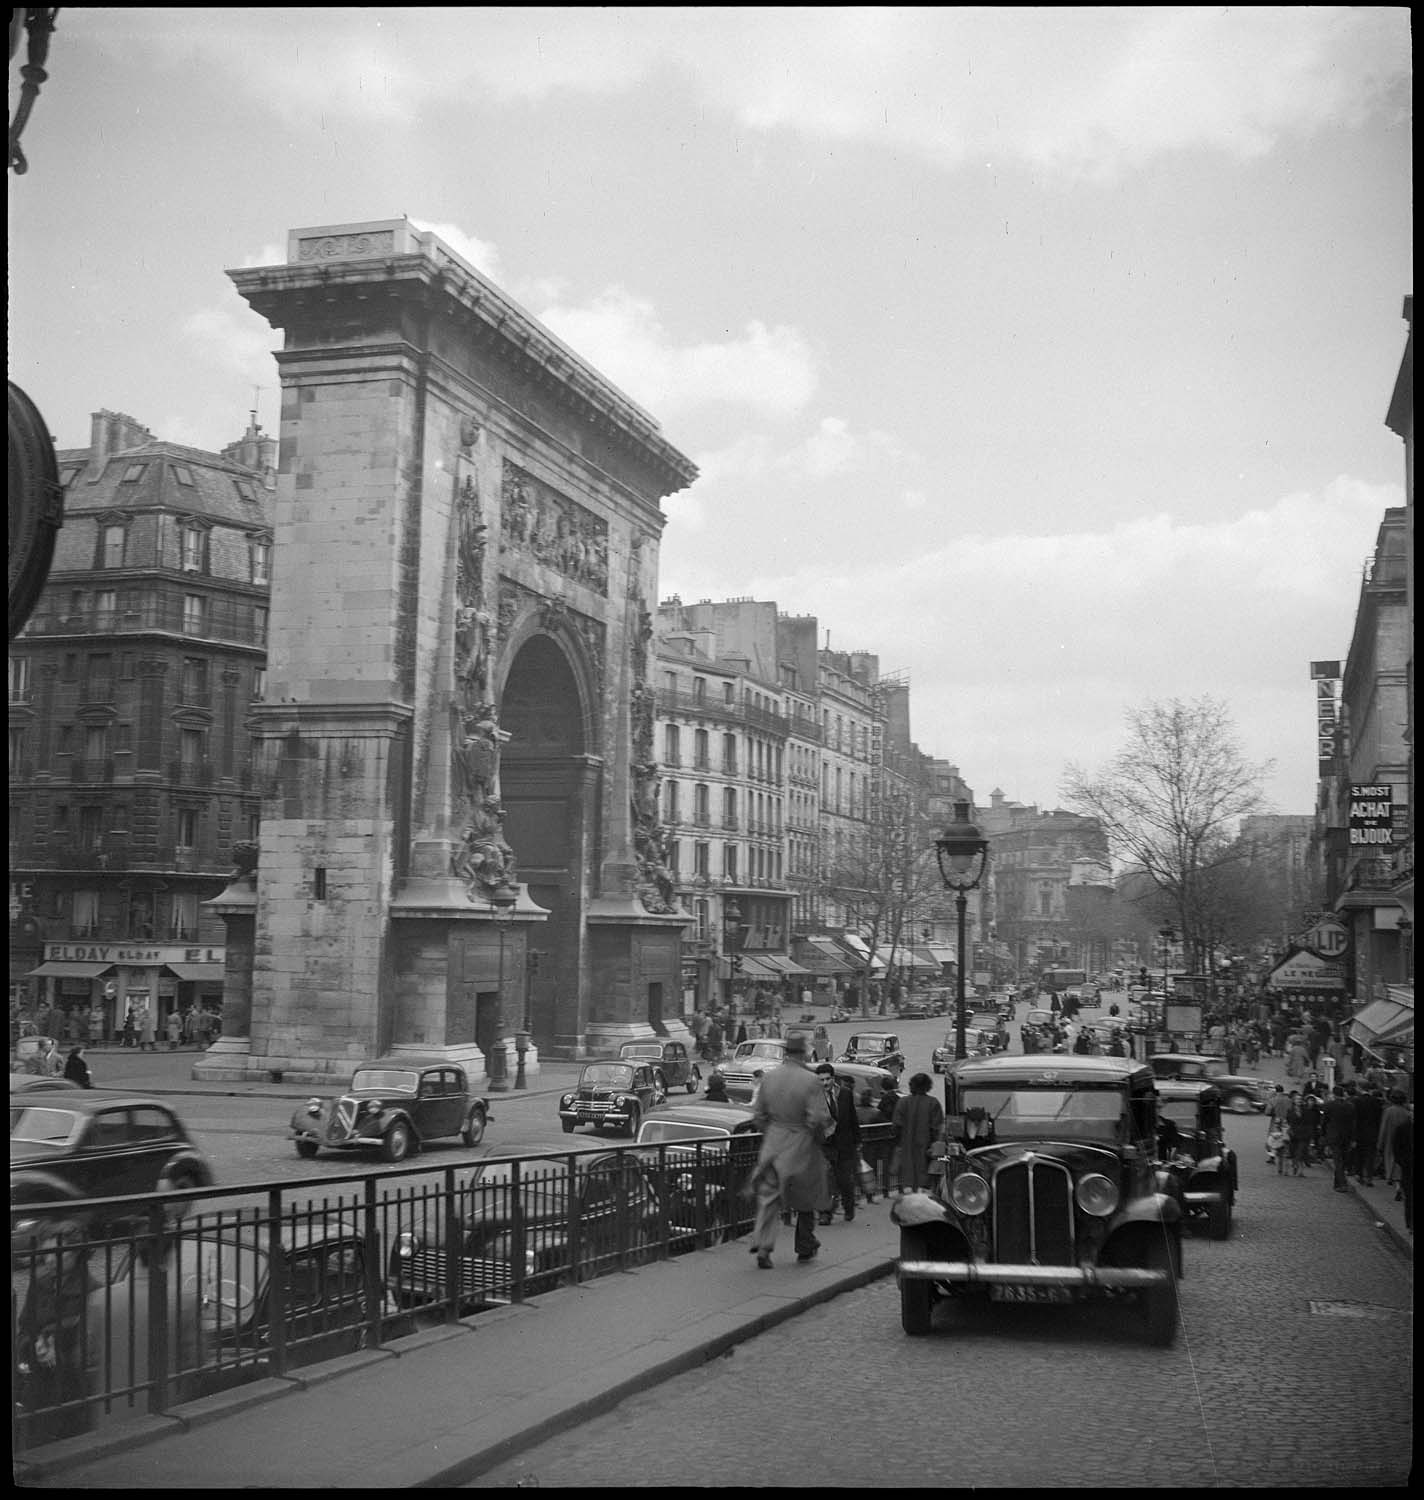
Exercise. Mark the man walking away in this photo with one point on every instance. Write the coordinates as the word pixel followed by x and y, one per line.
pixel 790 1111
pixel 1368 1109
pixel 1340 1134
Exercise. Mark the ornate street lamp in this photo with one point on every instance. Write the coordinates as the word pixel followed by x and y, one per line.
pixel 962 852
pixel 503 899
pixel 732 938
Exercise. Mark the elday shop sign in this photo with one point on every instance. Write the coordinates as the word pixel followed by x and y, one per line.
pixel 1371 816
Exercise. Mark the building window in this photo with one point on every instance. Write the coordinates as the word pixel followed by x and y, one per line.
pixel 672 745
pixel 729 693
pixel 194 549
pixel 195 614
pixel 187 828
pixel 96 743
pixel 259 682
pixel 123 738
pixel 106 609
pixel 194 688
pixel 701 807
pixel 729 807
pixel 192 743
pixel 319 883
pixel 19 679
pixel 140 917
pixel 132 473
pixel 699 690
pixel 84 921
pixel 1045 902
pixel 261 562
pixel 99 678
pixel 671 809
pixel 113 540
pixel 702 910
pixel 259 624
pixel 699 750
pixel 729 754
pixel 244 490
pixel 183 474
pixel 61 818
pixel 674 857
pixel 183 917
pixel 729 861
pixel 69 667
pixel 701 859
pixel 91 829
pixel 17 749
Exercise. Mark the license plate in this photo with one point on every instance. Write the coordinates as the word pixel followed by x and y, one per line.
pixel 585 1118
pixel 1005 1293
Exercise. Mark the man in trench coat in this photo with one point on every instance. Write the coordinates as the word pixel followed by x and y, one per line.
pixel 792 1115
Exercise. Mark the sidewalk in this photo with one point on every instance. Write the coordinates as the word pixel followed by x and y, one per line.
pixel 441 1408
pixel 1377 1201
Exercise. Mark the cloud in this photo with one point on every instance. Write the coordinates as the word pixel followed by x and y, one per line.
pixel 766 369
pixel 1073 91
pixel 481 254
pixel 233 340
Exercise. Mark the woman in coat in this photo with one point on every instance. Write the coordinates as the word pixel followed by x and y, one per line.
pixel 76 1069
pixel 918 1121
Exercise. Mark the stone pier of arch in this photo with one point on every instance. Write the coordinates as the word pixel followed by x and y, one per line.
pixel 460 846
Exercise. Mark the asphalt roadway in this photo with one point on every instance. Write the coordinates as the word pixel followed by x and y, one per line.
pixel 437 1409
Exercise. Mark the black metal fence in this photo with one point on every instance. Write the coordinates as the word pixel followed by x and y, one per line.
pixel 129 1307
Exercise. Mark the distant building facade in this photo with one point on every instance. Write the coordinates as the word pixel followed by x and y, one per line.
pixel 131 778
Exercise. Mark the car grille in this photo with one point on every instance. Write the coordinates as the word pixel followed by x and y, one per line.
pixel 425 1272
pixel 595 1102
pixel 1033 1213
pixel 343 1119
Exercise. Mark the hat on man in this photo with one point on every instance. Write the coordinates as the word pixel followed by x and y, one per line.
pixel 796 1044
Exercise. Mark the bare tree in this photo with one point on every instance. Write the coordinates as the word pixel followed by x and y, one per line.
pixel 1169 802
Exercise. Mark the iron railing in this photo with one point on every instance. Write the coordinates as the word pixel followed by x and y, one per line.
pixel 126 1307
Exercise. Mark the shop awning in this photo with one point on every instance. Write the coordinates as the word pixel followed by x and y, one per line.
pixel 195 973
pixel 942 953
pixel 918 958
pixel 56 970
pixel 782 964
pixel 860 949
pixel 1380 1021
pixel 755 966
pixel 821 956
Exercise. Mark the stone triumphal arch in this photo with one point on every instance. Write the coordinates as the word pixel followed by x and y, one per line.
pixel 460 838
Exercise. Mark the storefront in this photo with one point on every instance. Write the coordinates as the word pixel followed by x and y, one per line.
pixel 89 989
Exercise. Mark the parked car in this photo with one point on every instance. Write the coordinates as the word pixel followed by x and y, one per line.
pixel 913 1011
pixel 70 1145
pixel 28 1053
pixel 1240 1093
pixel 524 1227
pixel 1199 1166
pixel 838 1014
pixel 671 1060
pixel 709 1152
pixel 614 1094
pixel 394 1105
pixel 818 1040
pixel 748 1059
pixel 29 1083
pixel 991 1022
pixel 878 1049
pixel 1048 1193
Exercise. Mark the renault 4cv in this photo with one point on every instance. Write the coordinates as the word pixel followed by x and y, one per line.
pixel 1047 1193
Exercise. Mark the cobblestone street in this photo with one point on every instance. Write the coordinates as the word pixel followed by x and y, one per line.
pixel 1293 1368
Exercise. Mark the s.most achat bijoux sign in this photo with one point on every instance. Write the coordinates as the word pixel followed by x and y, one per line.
pixel 1371 816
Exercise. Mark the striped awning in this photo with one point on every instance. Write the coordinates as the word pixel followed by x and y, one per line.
pixel 53 969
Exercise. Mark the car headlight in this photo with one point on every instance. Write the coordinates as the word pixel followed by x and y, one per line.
pixel 969 1193
pixel 1097 1195
pixel 566 1101
pixel 372 1107
pixel 406 1245
pixel 313 1107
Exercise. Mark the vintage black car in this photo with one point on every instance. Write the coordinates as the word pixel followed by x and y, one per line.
pixel 1240 1093
pixel 708 1153
pixel 524 1227
pixel 1199 1167
pixel 394 1104
pixel 611 1095
pixel 1048 1193
pixel 879 1049
pixel 671 1062
pixel 69 1145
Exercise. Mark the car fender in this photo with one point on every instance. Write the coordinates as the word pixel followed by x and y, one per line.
pixel 35 1187
pixel 911 1209
pixel 185 1161
pixel 1154 1208
pixel 389 1117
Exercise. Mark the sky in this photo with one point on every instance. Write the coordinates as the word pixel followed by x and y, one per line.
pixel 1045 354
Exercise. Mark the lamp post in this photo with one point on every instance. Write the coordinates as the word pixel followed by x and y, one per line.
pixel 732 949
pixel 502 902
pixel 962 852
pixel 1168 936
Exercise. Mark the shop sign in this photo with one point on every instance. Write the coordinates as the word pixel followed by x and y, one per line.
pixel 1371 816
pixel 138 956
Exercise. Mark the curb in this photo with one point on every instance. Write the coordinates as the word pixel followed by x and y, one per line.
pixel 1398 1238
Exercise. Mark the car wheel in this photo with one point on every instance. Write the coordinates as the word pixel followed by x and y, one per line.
pixel 395 1144
pixel 660 1089
pixel 568 1126
pixel 634 1120
pixel 306 1149
pixel 1159 1303
pixel 474 1131
pixel 1218 1220
pixel 1239 1103
pixel 916 1297
pixel 694 1079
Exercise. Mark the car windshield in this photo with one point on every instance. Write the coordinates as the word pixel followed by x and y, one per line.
pixel 388 1080
pixel 641 1049
pixel 616 1075
pixel 871 1041
pixel 1182 1112
pixel 1215 1069
pixel 226 1275
pixel 1029 1113
pixel 43 1126
pixel 758 1049
pixel 655 1131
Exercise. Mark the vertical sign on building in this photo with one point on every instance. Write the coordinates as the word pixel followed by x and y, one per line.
pixel 1326 676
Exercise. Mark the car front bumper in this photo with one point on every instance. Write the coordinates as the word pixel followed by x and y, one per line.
pixel 1085 1279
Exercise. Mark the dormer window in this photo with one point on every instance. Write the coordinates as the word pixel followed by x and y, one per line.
pixel 183 474
pixel 133 472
